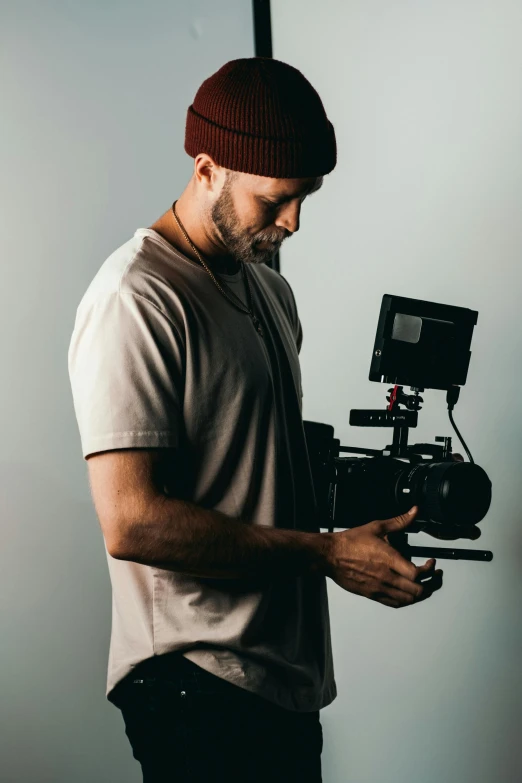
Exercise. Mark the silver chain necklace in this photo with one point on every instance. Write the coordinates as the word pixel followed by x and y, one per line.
pixel 248 310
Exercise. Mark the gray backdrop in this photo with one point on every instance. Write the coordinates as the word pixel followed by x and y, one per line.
pixel 426 102
pixel 92 119
pixel 425 202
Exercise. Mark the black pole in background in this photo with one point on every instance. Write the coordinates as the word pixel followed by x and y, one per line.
pixel 262 28
pixel 263 48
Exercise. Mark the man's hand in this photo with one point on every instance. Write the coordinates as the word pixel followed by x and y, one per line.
pixel 451 533
pixel 362 561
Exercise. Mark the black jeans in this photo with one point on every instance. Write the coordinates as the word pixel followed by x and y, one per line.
pixel 186 725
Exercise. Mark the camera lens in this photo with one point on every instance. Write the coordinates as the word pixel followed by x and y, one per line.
pixel 459 493
pixel 454 493
pixel 449 493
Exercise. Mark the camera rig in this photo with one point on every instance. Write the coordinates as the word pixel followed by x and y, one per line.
pixel 423 345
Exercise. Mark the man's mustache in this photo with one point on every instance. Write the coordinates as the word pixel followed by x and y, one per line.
pixel 276 238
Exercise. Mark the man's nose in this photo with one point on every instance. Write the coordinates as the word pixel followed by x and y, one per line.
pixel 288 218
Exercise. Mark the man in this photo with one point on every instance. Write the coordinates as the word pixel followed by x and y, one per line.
pixel 187 389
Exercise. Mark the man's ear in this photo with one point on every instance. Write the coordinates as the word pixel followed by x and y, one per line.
pixel 208 174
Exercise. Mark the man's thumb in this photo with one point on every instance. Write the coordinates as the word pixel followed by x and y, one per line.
pixel 400 522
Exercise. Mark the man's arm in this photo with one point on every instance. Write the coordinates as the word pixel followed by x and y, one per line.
pixel 142 522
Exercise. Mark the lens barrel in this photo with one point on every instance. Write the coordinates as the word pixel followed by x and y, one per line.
pixel 447 493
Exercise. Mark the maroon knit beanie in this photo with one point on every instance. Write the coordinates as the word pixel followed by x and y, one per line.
pixel 261 116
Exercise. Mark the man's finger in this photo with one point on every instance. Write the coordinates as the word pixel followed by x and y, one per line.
pixel 402 567
pixel 431 586
pixel 395 524
pixel 408 586
pixel 409 571
pixel 426 570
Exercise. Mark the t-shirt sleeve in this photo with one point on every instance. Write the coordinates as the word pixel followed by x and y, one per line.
pixel 126 368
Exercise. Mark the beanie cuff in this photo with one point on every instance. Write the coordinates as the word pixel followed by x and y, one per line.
pixel 308 156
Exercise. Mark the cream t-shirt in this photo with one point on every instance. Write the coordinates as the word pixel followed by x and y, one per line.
pixel 159 358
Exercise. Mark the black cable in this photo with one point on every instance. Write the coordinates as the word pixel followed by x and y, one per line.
pixel 452 396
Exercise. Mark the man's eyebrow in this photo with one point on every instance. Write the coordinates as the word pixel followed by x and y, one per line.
pixel 315 188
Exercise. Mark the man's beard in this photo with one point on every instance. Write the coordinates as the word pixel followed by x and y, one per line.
pixel 242 246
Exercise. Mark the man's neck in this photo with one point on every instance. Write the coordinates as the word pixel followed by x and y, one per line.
pixel 168 228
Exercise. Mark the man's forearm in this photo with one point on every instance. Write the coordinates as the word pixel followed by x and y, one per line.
pixel 192 540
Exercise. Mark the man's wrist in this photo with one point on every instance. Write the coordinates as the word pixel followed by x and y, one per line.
pixel 322 563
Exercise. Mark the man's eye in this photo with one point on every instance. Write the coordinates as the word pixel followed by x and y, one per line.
pixel 276 204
